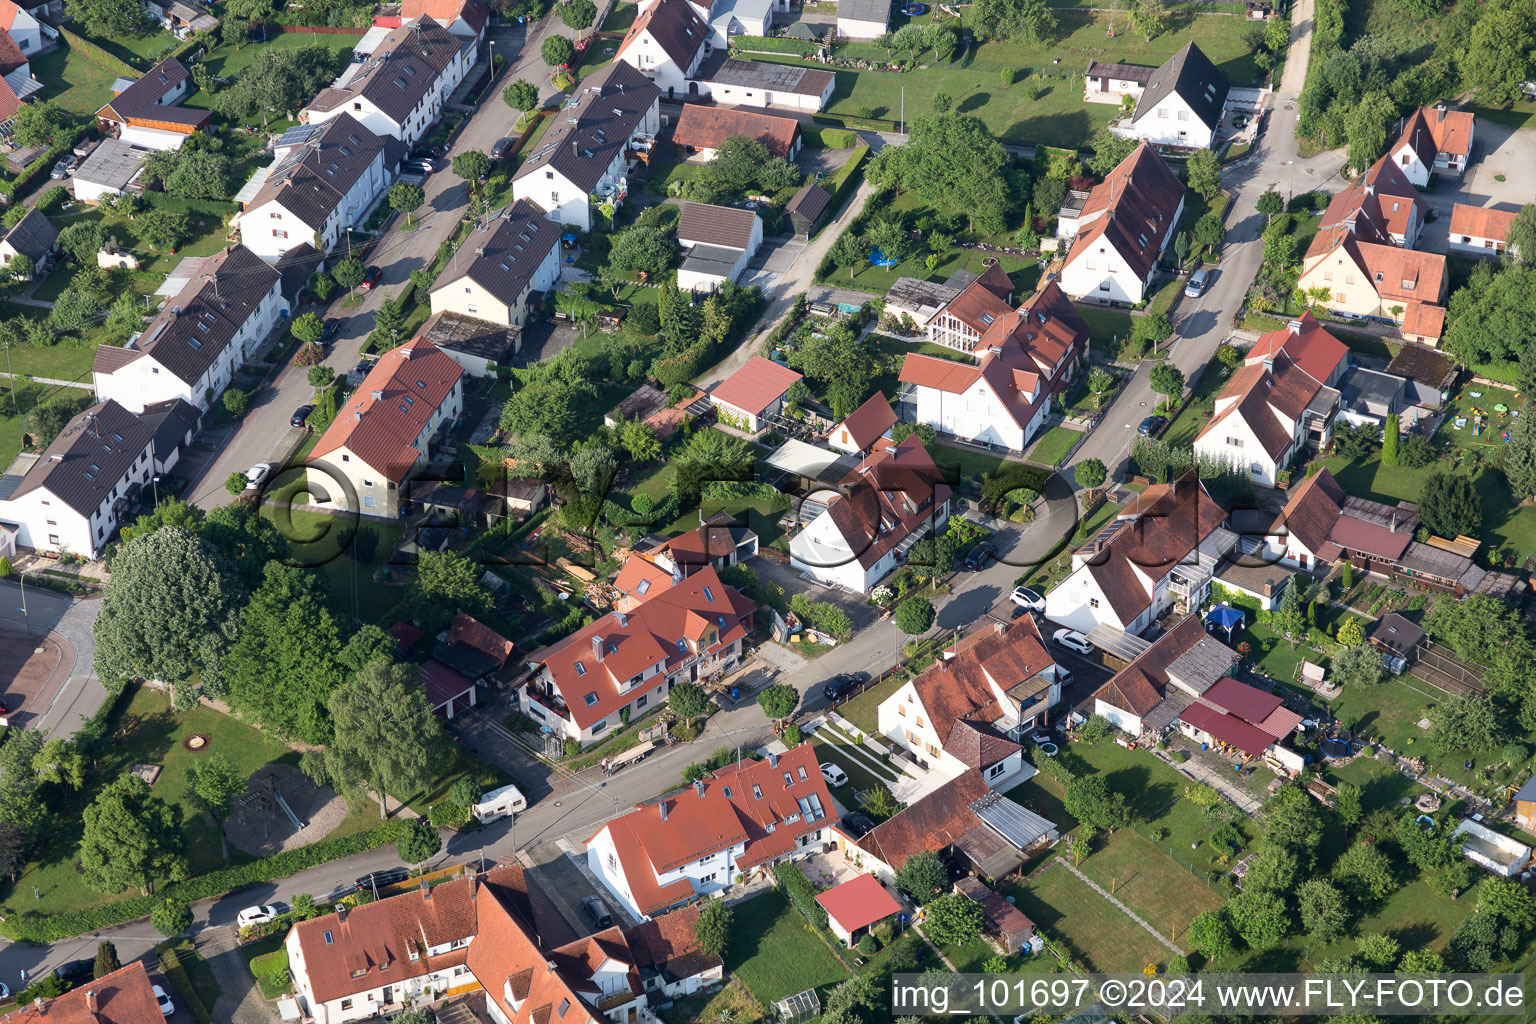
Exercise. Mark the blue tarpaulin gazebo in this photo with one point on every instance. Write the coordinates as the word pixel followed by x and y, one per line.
pixel 1225 616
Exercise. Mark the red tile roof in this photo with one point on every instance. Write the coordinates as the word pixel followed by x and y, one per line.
pixel 411 383
pixel 957 691
pixel 122 997
pixel 8 12
pixel 707 127
pixel 984 300
pixel 896 492
pixel 1430 130
pixel 1480 221
pixel 471 632
pixel 942 374
pixel 699 546
pixel 1422 320
pixel 442 684
pixel 11 56
pixel 1267 399
pixel 1132 210
pixel 1312 510
pixel 446 12
pixel 1246 702
pixel 1381 541
pixel 507 955
pixel 755 386
pixel 635 641
pixel 669 943
pixel 929 825
pixel 640 579
pixel 1228 728
pixel 1403 275
pixel 858 903
pixel 1307 343
pixel 868 422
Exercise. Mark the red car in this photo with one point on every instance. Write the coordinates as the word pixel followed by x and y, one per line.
pixel 371 278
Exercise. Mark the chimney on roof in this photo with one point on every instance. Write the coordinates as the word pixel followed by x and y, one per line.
pixel 40 1004
pixel 773 760
pixel 405 352
pixel 698 787
pixel 1294 326
pixel 91 1002
pixel 474 884
pixel 426 892
pixel 378 396
pixel 999 628
pixel 1392 526
pixel 1440 112
pixel 663 808
pixel 357 416
pixel 597 647
pixel 621 618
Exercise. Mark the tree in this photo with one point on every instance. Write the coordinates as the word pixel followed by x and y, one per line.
pixel 914 616
pixel 577 14
pixel 1149 17
pixel 1519 237
pixel 1507 900
pixel 1493 316
pixel 349 272
pixel 1090 800
pixel 405 197
pixel 1501 51
pixel 386 735
pixel 320 377
pixel 1270 203
pixel 848 253
pixel 106 959
pixel 13 849
pixel 60 761
pixel 236 401
pixel 1204 173
pixel 199 174
pixel 1291 821
pixel 1210 231
pixel 131 839
pixel 639 441
pixel 446 583
pixel 1355 441
pixel 389 322
pixel 1479 942
pixel 1274 870
pixel 163 229
pixel 779 701
pixel 889 239
pixel 235 482
pixel 558 51
pixel 216 782
pixel 169 611
pixel 1090 473
pixel 1369 127
pixel 21 267
pixel 1389 439
pixel 548 402
pixel 645 249
pixel 1324 911
pixel 1518 459
pixel 106 18
pixel 1260 918
pixel 952 160
pixel 1449 505
pixel 171 916
pixel 1167 380
pixel 82 241
pixel 1466 721
pixel 1365 873
pixel 687 701
pixel 1357 665
pixel 521 95
pixel 1211 934
pixel 472 165
pixel 878 802
pixel 73 310
pixel 712 928
pixel 953 919
pixel 1028 20
pixel 41 123
pixel 921 875
pixel 420 842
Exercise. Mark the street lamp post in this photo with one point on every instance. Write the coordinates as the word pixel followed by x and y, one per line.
pixel 156 481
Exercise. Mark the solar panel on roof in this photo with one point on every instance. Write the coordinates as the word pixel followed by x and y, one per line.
pixel 297 134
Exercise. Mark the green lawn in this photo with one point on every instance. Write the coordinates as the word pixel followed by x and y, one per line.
pixel 1094 931
pixel 1053 445
pixel 867 277
pixel 1389 713
pixel 142 50
pixel 860 779
pixel 227 61
pixel 1464 406
pixel 349 552
pixel 775 953
pixel 966 462
pixel 1197 413
pixel 24 397
pixel 1107 328
pixel 73 82
pixel 268 965
pixel 1162 892
pixel 864 710
pixel 70 359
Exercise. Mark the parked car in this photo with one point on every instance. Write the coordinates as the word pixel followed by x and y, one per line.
pixel 255 915
pixel 499 150
pixel 426 151
pixel 1072 640
pixel 856 825
pixel 332 325
pixel 75 970
pixel 834 775
pixel 421 167
pixel 256 474
pixel 1240 122
pixel 386 876
pixel 978 555
pixel 163 998
pixel 1198 282
pixel 371 278
pixel 839 686
pixel 1150 425
pixel 1027 599
pixel 597 912
pixel 60 170
pixel 300 416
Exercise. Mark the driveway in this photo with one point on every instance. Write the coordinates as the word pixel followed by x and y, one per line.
pixel 1498 152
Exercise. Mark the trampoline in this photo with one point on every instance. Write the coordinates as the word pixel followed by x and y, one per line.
pixel 880 259
pixel 913 10
pixel 1336 746
pixel 1048 749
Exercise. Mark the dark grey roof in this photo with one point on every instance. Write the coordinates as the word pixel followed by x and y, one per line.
pixel 114 163
pixel 404 68
pixel 595 126
pixel 503 253
pixel 33 235
pixel 194 327
pixel 142 98
pixel 173 423
pixel 711 259
pixel 810 202
pixel 724 226
pixel 1372 393
pixel 864 10
pixel 456 332
pixel 296 267
pixel 89 457
pixel 757 74
pixel 1399 635
pixel 676 27
pixel 1191 75
pixel 1119 72
pixel 314 177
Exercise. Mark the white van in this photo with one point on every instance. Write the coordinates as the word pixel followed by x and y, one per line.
pixel 499 803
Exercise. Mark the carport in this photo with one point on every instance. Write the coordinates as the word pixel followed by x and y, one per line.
pixel 1117 642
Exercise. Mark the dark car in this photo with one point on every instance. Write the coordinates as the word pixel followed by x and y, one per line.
pixel 978 555
pixel 426 152
pixel 74 970
pixel 840 686
pixel 499 150
pixel 1150 425
pixel 597 912
pixel 301 415
pixel 371 278
pixel 388 876
pixel 856 825
pixel 332 325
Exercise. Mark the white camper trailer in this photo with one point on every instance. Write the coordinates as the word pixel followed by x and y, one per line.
pixel 499 803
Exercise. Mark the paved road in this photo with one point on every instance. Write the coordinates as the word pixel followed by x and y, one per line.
pixel 68 622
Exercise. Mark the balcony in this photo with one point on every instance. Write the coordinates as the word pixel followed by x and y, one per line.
pixel 617 999
pixel 1189 584
pixel 553 705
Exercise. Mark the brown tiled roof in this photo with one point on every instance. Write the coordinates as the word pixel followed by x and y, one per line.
pixel 1307 343
pixel 1312 510
pixel 11 56
pixel 503 253
pixel 1480 221
pixel 726 226
pixel 122 997
pixel 669 943
pixel 507 954
pixel 446 12
pixel 869 421
pixel 1122 72
pixel 984 300
pixel 810 202
pixel 755 386
pixel 677 29
pixel 929 825
pixel 194 329
pixel 608 109
pixel 1256 393
pixel 707 127
pixel 1131 209
pixel 1404 274
pixel 405 68
pixel 141 100
pixel 88 459
pixel 1430 131
pixel 958 698
pixel 895 494
pixel 311 181
pixel 1139 686
pixel 1423 320
pixel 1424 365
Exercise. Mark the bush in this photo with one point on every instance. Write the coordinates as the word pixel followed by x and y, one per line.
pixel 449 815
pixel 800 892
pixel 867 945
pixel 171 917
pixel 1097 727
pixel 186 995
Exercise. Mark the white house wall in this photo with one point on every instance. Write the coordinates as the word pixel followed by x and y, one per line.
pixel 973 416
pixel 151 138
pixel 1173 123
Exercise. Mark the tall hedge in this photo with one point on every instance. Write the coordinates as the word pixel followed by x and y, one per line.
pixel 800 892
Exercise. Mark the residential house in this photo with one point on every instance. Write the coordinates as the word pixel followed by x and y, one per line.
pixel 854 907
pixel 1127 221
pixel 717 241
pixel 914 304
pixel 750 396
pixel 1434 139
pixel 1026 356
pixel 479 346
pixel 1242 721
pixel 124 996
pixel 963 816
pixel 173 423
pixel 1147 697
pixel 73 496
pixel 626 662
pixel 466 19
pixel 400 89
pixel 1368 397
pixel 638 580
pixel 702 840
pixel 858 537
pixel 34 237
pixel 1182 103
pixel 807 207
pixel 1158 553
pixel 385 430
pixel 585 155
pixel 743 18
pixel 1266 415
pixel 863 19
pixel 1373 281
pixel 507 257
pixel 222 308
pixel 147 112
pixel 17 83
pixel 181 18
pixel 1525 805
pixel 1430 375
pixel 1306 343
pixel 756 83
pixel 1381 206
pixel 967 315
pixel 718 542
pixel 113 168
pixel 1479 230
pixel 23 26
pixel 701 130
pixel 973 706
pixel 1111 83
pixel 666 43
pixel 866 428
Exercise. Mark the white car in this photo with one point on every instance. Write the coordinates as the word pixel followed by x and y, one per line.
pixel 256 474
pixel 255 915
pixel 1072 640
pixel 166 1006
pixel 1027 599
pixel 834 775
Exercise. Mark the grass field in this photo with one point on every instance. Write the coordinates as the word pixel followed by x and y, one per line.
pixel 73 82
pixel 864 710
pixel 1165 895
pixel 227 61
pixel 1096 932
pixel 349 553
pixel 775 953
pixel 867 277
pixel 1195 415
pixel 1053 445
